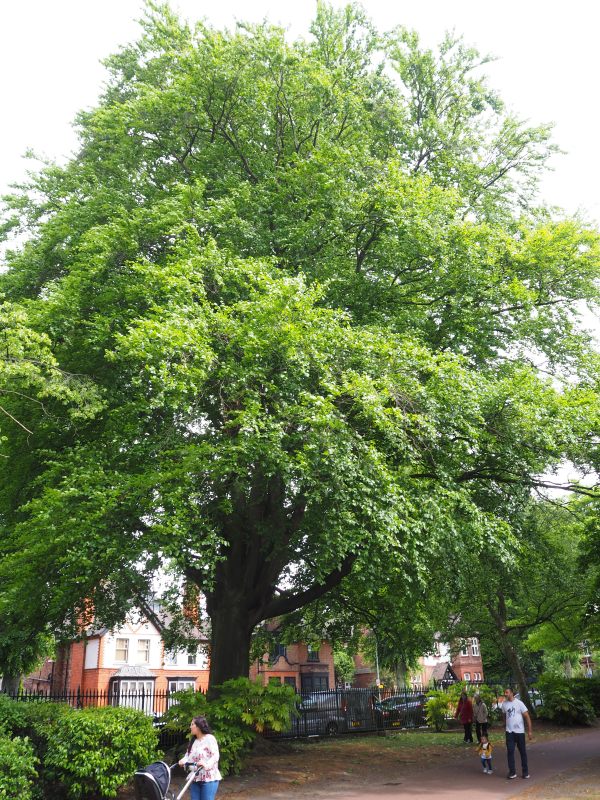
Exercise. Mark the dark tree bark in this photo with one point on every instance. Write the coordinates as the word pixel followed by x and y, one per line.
pixel 11 683
pixel 499 615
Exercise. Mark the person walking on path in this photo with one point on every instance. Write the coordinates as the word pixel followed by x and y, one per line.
pixel 203 751
pixel 480 715
pixel 485 753
pixel 464 712
pixel 516 716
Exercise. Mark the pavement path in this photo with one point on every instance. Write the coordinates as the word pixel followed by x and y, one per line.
pixel 459 780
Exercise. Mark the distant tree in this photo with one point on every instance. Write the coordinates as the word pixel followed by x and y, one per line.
pixel 344 666
pixel 533 600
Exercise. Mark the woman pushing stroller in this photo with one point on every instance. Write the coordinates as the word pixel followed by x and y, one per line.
pixel 203 751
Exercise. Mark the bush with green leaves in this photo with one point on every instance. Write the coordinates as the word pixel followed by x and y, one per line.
pixel 34 720
pixel 13 716
pixel 437 709
pixel 563 703
pixel 93 751
pixel 17 768
pixel 588 689
pixel 241 710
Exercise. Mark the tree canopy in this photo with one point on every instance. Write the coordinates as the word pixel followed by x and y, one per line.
pixel 311 289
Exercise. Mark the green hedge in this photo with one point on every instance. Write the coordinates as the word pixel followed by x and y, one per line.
pixel 17 768
pixel 96 750
pixel 588 689
pixel 564 701
pixel 81 754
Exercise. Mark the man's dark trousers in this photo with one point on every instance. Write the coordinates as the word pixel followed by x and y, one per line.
pixel 481 728
pixel 516 740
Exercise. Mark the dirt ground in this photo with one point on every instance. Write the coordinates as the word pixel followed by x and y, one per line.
pixel 283 769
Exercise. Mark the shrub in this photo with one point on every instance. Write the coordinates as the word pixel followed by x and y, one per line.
pixel 241 710
pixel 562 704
pixel 12 714
pixel 588 689
pixel 437 709
pixel 94 751
pixel 17 768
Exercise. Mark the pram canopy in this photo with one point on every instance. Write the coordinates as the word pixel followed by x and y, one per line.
pixel 152 782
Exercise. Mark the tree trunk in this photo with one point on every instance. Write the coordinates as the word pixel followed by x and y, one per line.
pixel 231 631
pixel 11 683
pixel 517 670
pixel 499 615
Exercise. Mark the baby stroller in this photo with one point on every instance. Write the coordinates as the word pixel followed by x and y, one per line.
pixel 152 782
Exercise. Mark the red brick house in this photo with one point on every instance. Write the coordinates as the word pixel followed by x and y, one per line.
pixel 443 665
pixel 133 658
pixel 304 667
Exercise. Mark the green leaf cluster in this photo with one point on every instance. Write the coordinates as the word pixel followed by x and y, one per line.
pixel 239 711
pixel 17 768
pixel 306 292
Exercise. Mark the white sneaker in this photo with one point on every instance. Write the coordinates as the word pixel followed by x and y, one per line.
pixel 485 771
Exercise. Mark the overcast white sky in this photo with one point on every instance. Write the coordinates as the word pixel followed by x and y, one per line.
pixel 547 70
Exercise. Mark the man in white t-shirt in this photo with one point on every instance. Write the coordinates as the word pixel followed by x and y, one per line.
pixel 516 716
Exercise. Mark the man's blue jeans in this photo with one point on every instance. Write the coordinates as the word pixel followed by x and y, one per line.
pixel 516 740
pixel 204 790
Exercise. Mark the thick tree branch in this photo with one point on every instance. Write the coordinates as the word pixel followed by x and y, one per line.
pixel 288 601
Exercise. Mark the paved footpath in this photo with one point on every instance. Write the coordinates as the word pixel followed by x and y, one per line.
pixel 460 780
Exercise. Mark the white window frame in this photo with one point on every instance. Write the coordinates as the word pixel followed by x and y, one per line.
pixel 181 684
pixel 192 657
pixel 465 649
pixel 477 676
pixel 475 647
pixel 467 677
pixel 126 648
pixel 143 654
pixel 171 658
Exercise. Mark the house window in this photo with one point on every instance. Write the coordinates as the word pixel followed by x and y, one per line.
pixel 122 650
pixel 314 683
pixel 134 694
pixel 275 679
pixel 170 658
pixel 277 651
pixel 143 651
pixel 477 676
pixel 467 676
pixel 192 657
pixel 313 653
pixel 290 681
pixel 465 650
pixel 180 685
pixel 475 647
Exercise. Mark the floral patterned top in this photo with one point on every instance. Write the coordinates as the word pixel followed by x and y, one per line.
pixel 205 751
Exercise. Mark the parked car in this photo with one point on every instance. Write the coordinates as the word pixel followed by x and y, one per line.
pixel 402 711
pixel 328 713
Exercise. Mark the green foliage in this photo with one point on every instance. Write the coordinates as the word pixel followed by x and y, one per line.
pixel 13 715
pixel 344 666
pixel 437 709
pixel 92 752
pixel 241 710
pixel 563 703
pixel 307 286
pixel 17 768
pixel 588 689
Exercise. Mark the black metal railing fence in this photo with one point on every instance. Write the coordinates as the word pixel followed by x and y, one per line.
pixel 319 713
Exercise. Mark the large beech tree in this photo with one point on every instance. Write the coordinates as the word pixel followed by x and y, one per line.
pixel 307 279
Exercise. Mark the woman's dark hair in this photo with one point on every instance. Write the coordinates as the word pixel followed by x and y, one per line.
pixel 202 723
